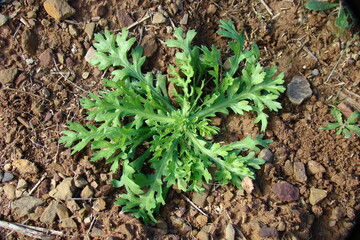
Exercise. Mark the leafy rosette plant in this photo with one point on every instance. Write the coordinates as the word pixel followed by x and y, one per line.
pixel 157 140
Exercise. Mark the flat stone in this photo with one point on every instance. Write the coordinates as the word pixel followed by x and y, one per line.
pixel 62 211
pixel 267 155
pixel 90 54
pixel 184 20
pixel 46 59
pixel 124 19
pixel 149 45
pixel 8 75
pixel 80 182
pixel 64 190
pixel 299 172
pixel 3 19
pixel 58 9
pixel 89 29
pixel 72 30
pixel 25 166
pixel 9 191
pixel 268 232
pixel 199 198
pixel 158 18
pixel 8 176
pixel 99 205
pixel 72 206
pixel 286 192
pixel 49 214
pixel 316 195
pixel 22 184
pixel 229 232
pixel 87 192
pixel 25 205
pixel 201 220
pixel 315 167
pixel 298 90
pixel 29 42
pixel 68 223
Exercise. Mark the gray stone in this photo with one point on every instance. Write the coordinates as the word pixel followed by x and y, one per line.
pixel 316 195
pixel 58 9
pixel 89 29
pixel 268 232
pixel 80 182
pixel 149 45
pixel 229 232
pixel 158 18
pixel 22 184
pixel 298 90
pixel 62 211
pixel 299 172
pixel 49 214
pixel 8 75
pixel 184 20
pixel 64 190
pixel 8 176
pixel 3 19
pixel 90 54
pixel 25 205
pixel 315 72
pixel 286 192
pixel 267 155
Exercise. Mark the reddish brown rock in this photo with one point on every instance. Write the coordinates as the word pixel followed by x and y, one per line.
pixel 286 192
pixel 45 58
pixel 58 9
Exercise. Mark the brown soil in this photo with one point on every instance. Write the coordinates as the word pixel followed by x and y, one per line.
pixel 35 106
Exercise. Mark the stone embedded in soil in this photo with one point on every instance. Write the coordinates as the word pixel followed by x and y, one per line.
pixel 64 190
pixel 201 220
pixel 158 18
pixel 3 19
pixel 315 167
pixel 8 75
pixel 22 184
pixel 68 223
pixel 9 191
pixel 90 54
pixel 299 172
pixel 229 232
pixel 97 232
pixel 8 176
pixel 286 192
pixel 247 184
pixel 99 205
pixel 298 90
pixel 62 211
pixel 58 9
pixel 89 29
pixel 267 155
pixel 45 58
pixel 149 45
pixel 25 205
pixel 316 195
pixel 180 225
pixel 199 198
pixel 72 206
pixel 124 19
pixel 24 166
pixel 49 214
pixel 87 192
pixel 268 232
pixel 80 182
pixel 29 42
pixel 184 20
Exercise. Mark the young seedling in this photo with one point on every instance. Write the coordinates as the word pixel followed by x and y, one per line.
pixel 345 127
pixel 156 144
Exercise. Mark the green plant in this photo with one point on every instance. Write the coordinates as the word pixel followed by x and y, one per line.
pixel 344 126
pixel 342 18
pixel 159 141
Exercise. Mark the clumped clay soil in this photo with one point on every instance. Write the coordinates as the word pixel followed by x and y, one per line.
pixel 308 188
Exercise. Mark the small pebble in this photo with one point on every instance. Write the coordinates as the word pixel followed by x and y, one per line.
pixel 85 75
pixel 158 18
pixel 184 19
pixel 298 90
pixel 315 72
pixel 3 19
pixel 8 176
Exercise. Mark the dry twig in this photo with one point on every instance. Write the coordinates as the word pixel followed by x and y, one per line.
pixel 267 7
pixel 194 205
pixel 37 184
